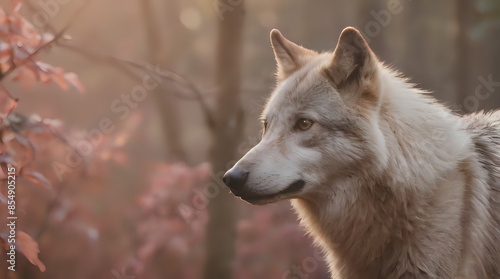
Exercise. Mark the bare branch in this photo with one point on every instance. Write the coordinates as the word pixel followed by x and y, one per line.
pixel 126 65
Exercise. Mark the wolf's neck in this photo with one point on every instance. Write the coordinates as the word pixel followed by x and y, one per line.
pixel 423 138
pixel 359 221
pixel 350 229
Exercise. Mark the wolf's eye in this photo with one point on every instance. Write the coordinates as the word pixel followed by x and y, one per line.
pixel 304 124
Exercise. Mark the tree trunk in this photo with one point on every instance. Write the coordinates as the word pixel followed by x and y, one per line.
pixel 226 135
pixel 164 101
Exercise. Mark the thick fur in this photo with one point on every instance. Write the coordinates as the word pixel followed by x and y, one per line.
pixel 396 185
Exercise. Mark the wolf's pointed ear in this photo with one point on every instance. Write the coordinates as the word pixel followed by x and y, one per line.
pixel 289 56
pixel 353 60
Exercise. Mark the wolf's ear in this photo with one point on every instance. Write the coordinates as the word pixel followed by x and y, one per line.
pixel 289 56
pixel 353 60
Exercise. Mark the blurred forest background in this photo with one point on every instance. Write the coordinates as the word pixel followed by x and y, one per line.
pixel 123 180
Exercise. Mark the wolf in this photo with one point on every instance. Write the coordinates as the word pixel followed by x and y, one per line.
pixel 387 181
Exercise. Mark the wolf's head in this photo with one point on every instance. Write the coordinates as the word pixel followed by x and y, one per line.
pixel 319 124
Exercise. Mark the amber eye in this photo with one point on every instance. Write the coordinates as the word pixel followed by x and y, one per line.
pixel 304 124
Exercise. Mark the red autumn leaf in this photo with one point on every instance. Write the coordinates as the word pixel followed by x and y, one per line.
pixel 47 37
pixel 26 76
pixel 3 243
pixel 29 248
pixel 19 51
pixel 16 5
pixel 5 170
pixel 5 65
pixel 36 178
pixel 58 77
pixel 5 52
pixel 6 105
pixel 19 147
pixel 6 158
pixel 72 79
pixel 44 71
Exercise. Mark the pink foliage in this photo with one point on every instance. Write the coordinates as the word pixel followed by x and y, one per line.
pixel 19 46
pixel 162 230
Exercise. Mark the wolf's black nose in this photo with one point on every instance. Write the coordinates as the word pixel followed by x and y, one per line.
pixel 235 178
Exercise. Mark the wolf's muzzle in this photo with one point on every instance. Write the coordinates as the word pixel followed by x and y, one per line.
pixel 235 178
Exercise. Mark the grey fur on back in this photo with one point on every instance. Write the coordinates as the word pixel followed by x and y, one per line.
pixel 485 131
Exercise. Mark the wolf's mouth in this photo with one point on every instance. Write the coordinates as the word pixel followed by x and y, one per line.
pixel 260 199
